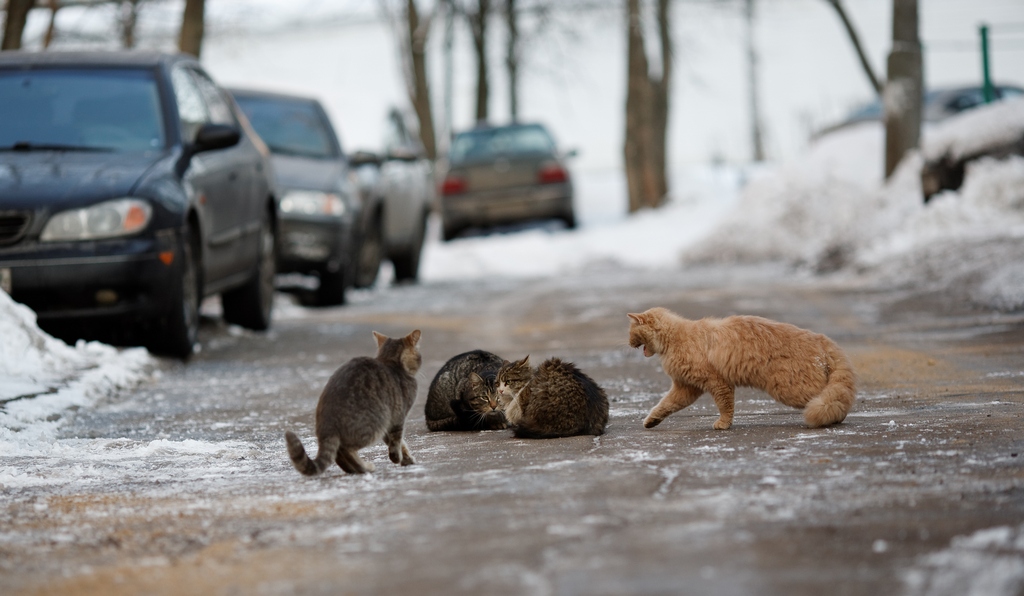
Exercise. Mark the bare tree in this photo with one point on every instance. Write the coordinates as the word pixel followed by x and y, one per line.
pixel 647 100
pixel 129 19
pixel 904 93
pixel 190 41
pixel 756 136
pixel 478 25
pixel 876 84
pixel 14 23
pixel 512 57
pixel 417 31
pixel 51 28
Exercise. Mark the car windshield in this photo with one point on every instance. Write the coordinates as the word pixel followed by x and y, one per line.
pixel 77 109
pixel 491 142
pixel 289 126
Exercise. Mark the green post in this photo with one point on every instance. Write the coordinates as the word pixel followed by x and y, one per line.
pixel 987 92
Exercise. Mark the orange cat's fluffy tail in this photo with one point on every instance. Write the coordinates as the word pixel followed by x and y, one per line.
pixel 836 399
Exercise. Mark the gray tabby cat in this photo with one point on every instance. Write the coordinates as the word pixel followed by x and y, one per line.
pixel 462 395
pixel 364 401
pixel 555 400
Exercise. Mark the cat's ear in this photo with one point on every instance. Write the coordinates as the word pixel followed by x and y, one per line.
pixel 413 338
pixel 475 379
pixel 525 361
pixel 381 338
pixel 638 319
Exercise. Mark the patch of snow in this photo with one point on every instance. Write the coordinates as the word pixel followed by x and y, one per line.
pixel 988 562
pixel 41 376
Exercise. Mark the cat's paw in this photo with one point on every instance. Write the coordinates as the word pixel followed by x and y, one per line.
pixel 721 424
pixel 651 422
pixel 407 460
pixel 368 466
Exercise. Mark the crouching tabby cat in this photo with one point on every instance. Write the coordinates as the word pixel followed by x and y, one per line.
pixel 364 401
pixel 462 395
pixel 797 367
pixel 555 400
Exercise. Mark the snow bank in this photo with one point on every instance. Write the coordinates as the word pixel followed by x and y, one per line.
pixel 648 239
pixel 831 211
pixel 40 376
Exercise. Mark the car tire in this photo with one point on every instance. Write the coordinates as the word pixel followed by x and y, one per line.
pixel 450 233
pixel 371 253
pixel 332 288
pixel 407 264
pixel 250 305
pixel 178 331
pixel 570 220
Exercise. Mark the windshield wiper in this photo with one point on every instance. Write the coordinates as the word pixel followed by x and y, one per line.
pixel 27 147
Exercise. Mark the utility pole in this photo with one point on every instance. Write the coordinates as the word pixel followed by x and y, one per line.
pixel 904 89
pixel 449 74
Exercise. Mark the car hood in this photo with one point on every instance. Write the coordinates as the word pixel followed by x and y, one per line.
pixel 62 180
pixel 308 173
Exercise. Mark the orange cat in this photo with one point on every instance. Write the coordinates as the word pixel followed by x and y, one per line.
pixel 797 367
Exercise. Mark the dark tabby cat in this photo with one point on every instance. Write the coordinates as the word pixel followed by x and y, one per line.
pixel 556 400
pixel 462 394
pixel 364 401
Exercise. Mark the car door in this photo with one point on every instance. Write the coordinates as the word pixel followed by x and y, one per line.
pixel 215 178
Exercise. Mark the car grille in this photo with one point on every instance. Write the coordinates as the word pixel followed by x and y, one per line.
pixel 13 225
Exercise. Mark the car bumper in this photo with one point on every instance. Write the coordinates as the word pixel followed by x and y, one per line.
pixel 85 280
pixel 503 207
pixel 313 244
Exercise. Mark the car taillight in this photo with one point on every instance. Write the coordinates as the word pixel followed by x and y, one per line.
pixel 453 185
pixel 552 173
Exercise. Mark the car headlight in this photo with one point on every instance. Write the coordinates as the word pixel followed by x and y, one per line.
pixel 110 219
pixel 309 202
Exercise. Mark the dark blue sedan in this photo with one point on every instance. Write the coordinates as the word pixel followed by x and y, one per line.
pixel 129 190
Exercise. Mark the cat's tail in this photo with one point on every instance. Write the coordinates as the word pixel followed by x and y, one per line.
pixel 311 467
pixel 834 402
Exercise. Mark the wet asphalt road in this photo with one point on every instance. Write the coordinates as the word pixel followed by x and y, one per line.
pixel 183 485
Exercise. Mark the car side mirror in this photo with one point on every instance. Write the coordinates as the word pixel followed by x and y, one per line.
pixel 216 136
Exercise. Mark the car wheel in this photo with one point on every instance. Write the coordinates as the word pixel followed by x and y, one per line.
pixel 250 305
pixel 407 265
pixel 332 288
pixel 371 252
pixel 178 330
pixel 570 220
pixel 449 233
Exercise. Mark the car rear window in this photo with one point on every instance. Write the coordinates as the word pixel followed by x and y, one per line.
pixel 289 127
pixel 490 142
pixel 102 109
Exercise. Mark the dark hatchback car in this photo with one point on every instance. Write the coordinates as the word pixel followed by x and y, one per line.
pixel 129 190
pixel 502 175
pixel 318 205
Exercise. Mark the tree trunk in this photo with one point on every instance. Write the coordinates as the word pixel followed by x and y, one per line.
pixel 419 91
pixel 756 136
pixel 190 41
pixel 659 105
pixel 14 23
pixel 129 19
pixel 512 58
pixel 51 28
pixel 904 92
pixel 478 24
pixel 647 100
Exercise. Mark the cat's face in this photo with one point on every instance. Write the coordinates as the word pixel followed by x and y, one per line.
pixel 641 333
pixel 480 396
pixel 512 378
